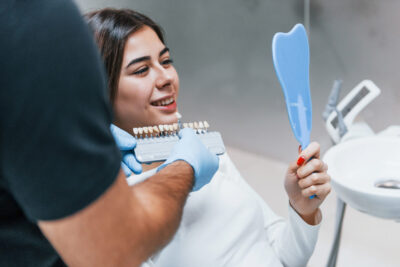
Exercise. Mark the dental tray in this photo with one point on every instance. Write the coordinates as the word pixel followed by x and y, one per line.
pixel 154 143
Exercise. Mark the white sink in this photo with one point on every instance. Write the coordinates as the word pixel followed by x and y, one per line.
pixel 357 165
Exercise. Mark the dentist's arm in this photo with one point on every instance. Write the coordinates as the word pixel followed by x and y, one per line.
pixel 127 225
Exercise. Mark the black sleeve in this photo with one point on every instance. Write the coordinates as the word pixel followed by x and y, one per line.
pixel 57 154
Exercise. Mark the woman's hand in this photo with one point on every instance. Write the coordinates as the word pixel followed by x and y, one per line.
pixel 305 178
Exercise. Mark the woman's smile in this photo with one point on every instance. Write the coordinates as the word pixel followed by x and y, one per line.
pixel 166 104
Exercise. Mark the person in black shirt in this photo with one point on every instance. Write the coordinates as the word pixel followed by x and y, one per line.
pixel 60 177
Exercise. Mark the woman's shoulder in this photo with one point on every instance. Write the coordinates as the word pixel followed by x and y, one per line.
pixel 227 167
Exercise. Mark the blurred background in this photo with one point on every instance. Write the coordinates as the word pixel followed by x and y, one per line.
pixel 222 51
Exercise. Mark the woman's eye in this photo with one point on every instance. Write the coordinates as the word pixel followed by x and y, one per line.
pixel 140 71
pixel 167 62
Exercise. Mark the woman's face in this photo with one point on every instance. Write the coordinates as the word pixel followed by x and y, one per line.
pixel 148 84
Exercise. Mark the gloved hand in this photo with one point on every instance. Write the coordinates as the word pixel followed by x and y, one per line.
pixel 126 143
pixel 191 150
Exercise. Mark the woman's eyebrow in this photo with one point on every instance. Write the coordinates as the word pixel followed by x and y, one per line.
pixel 136 60
pixel 165 50
pixel 139 59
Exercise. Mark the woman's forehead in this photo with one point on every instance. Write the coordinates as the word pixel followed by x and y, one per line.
pixel 144 42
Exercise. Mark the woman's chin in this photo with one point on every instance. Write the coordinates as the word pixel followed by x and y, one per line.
pixel 170 119
pixel 162 120
pixel 159 120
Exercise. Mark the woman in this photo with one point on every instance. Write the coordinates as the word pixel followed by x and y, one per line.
pixel 225 223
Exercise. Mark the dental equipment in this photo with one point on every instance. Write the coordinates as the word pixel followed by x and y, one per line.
pixel 332 106
pixel 333 99
pixel 354 102
pixel 389 184
pixel 354 184
pixel 154 143
pixel 291 56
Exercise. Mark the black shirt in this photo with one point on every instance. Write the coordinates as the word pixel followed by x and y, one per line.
pixel 57 154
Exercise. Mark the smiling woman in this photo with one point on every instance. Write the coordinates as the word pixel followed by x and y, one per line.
pixel 225 223
pixel 148 83
pixel 143 83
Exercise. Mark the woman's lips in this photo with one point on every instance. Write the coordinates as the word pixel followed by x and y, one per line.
pixel 169 107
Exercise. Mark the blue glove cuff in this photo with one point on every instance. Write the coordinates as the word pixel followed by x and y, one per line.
pixel 191 150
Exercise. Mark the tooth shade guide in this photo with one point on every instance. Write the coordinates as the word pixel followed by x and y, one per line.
pixel 206 125
pixel 145 131
pixel 175 125
pixel 197 127
pixel 166 129
pixel 156 130
pixel 161 127
pixel 200 127
pixel 135 132
pixel 140 132
pixel 150 150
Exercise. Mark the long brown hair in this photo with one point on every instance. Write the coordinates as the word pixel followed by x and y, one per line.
pixel 112 28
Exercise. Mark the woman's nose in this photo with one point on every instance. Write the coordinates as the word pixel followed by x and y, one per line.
pixel 164 78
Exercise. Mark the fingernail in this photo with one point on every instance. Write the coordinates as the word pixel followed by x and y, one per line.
pixel 300 161
pixel 299 148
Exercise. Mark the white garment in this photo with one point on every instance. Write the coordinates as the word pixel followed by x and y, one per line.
pixel 227 223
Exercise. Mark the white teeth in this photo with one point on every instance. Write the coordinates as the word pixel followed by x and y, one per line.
pixel 164 102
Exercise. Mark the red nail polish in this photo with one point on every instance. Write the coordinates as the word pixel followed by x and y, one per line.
pixel 300 161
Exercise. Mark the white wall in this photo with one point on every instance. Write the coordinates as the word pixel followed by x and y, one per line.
pixel 222 50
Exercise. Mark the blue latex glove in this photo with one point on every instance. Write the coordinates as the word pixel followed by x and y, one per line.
pixel 191 150
pixel 126 143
